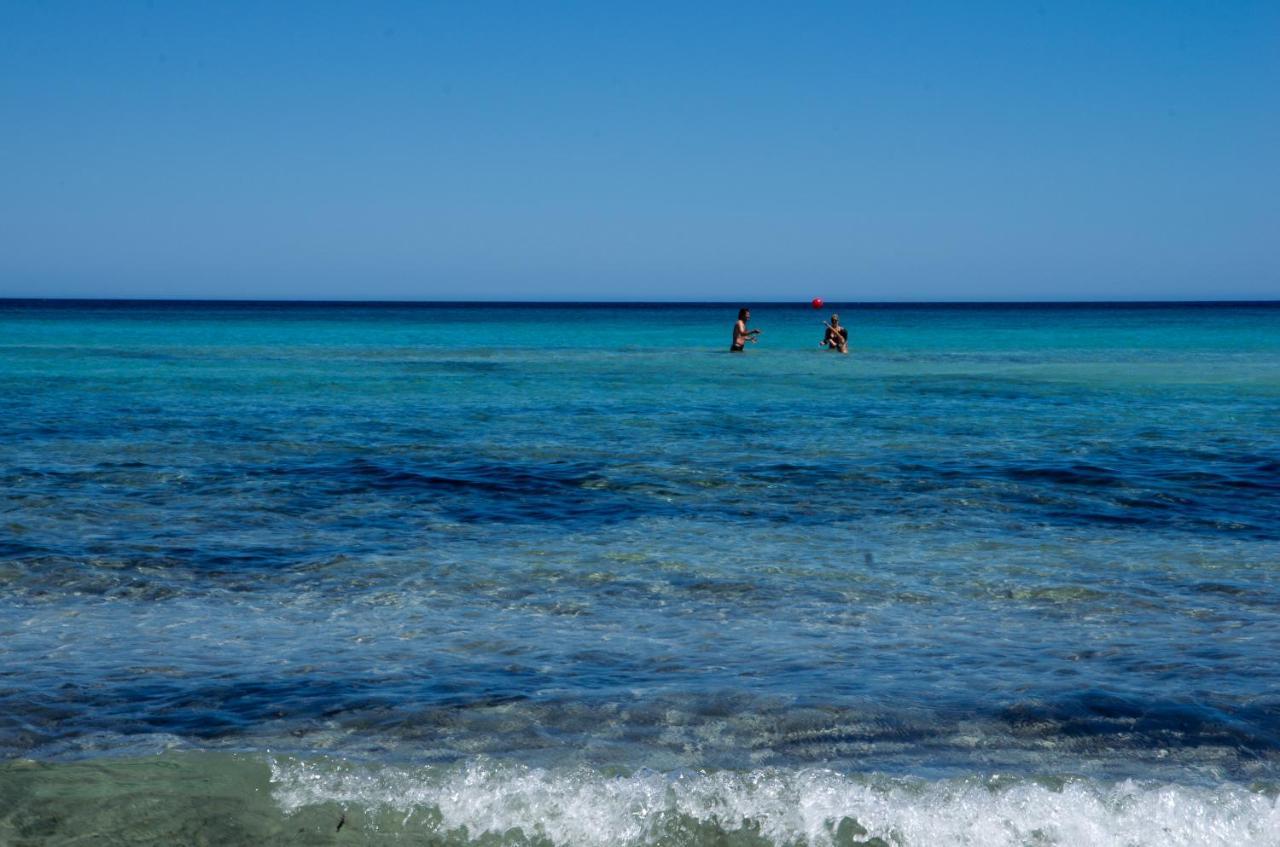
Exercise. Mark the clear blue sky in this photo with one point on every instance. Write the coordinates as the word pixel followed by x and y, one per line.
pixel 599 150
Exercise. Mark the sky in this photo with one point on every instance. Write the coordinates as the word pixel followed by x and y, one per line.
pixel 857 151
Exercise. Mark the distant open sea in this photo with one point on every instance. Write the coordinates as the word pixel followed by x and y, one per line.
pixel 572 574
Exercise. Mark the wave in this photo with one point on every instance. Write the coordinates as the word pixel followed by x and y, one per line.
pixel 214 798
pixel 439 717
pixel 485 802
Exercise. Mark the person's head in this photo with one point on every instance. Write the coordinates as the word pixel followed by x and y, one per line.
pixel 835 320
pixel 744 314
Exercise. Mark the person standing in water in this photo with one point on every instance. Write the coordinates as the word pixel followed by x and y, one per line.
pixel 741 335
pixel 836 337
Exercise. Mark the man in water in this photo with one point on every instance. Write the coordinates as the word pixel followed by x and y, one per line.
pixel 836 337
pixel 741 335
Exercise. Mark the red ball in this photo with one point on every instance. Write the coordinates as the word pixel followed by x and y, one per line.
pixel 817 302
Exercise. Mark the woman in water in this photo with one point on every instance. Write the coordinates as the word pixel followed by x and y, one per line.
pixel 741 335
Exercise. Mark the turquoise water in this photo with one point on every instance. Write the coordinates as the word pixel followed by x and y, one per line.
pixel 576 575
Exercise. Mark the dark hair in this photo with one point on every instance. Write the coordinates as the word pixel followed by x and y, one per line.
pixel 742 313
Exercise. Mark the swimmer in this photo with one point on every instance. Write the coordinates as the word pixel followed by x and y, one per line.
pixel 741 335
pixel 836 337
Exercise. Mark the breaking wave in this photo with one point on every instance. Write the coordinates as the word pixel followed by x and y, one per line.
pixel 501 804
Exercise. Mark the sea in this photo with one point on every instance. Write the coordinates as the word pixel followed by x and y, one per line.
pixel 556 574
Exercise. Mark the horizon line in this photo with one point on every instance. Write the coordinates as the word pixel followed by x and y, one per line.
pixel 503 302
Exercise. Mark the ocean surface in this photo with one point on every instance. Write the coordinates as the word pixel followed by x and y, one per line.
pixel 575 575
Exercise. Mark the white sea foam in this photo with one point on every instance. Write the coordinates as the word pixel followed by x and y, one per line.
pixel 815 807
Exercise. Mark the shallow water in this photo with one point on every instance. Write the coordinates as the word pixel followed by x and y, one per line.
pixel 514 570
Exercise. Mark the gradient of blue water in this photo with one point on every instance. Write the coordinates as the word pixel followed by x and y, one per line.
pixel 1038 539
